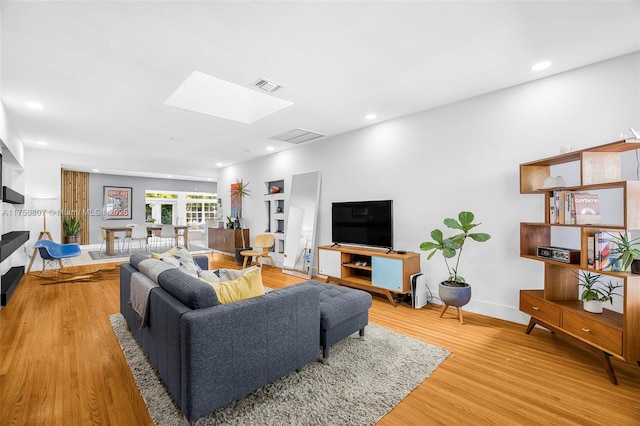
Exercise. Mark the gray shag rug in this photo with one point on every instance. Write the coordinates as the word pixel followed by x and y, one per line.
pixel 364 380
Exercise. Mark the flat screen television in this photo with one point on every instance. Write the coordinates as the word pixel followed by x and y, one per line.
pixel 368 223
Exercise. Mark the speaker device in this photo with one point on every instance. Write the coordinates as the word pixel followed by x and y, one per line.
pixel 559 254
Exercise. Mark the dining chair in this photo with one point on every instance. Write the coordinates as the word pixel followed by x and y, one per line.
pixel 138 233
pixel 168 232
pixel 103 233
pixel 263 242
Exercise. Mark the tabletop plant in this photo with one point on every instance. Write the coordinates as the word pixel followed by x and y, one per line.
pixel 595 289
pixel 451 247
pixel 624 251
pixel 595 292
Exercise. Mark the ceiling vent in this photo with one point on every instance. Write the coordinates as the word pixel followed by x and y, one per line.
pixel 297 136
pixel 267 85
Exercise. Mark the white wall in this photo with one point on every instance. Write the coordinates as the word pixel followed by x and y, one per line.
pixel 463 156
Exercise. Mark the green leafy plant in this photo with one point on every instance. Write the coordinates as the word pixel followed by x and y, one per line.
pixel 71 226
pixel 240 189
pixel 624 250
pixel 595 289
pixel 451 247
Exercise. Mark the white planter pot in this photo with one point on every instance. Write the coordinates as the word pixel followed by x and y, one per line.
pixel 593 306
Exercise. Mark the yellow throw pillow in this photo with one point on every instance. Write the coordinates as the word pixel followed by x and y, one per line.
pixel 244 287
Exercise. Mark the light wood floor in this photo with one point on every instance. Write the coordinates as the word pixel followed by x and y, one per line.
pixel 60 364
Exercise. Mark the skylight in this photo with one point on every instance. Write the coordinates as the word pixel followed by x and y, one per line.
pixel 210 95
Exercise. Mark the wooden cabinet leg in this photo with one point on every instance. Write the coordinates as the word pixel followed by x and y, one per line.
pixel 532 324
pixel 390 297
pixel 606 360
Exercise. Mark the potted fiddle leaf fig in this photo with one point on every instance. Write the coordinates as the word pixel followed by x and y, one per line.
pixel 240 189
pixel 595 292
pixel 71 227
pixel 454 291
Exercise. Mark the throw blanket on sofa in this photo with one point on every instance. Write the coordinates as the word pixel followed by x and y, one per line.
pixel 141 286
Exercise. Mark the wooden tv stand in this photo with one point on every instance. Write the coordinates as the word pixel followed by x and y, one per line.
pixel 373 270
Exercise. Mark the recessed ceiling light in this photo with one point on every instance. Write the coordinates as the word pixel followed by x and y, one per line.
pixel 270 148
pixel 541 66
pixel 41 143
pixel 95 170
pixel 34 105
pixel 219 164
pixel 168 176
pixel 209 179
pixel 370 116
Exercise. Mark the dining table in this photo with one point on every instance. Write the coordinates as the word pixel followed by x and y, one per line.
pixel 111 231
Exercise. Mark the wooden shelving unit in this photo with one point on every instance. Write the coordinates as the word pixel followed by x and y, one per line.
pixel 276 216
pixel 557 307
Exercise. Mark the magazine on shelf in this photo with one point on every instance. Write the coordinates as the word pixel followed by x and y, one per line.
pixel 587 207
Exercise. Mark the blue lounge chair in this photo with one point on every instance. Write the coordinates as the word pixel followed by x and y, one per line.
pixel 52 253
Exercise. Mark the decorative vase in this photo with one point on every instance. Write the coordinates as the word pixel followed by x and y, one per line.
pixel 593 306
pixel 454 294
pixel 635 266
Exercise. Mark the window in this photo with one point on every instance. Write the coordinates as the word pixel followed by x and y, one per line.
pixel 180 207
pixel 201 208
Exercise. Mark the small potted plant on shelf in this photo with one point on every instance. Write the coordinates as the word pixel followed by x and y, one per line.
pixel 595 292
pixel 71 227
pixel 454 291
pixel 624 252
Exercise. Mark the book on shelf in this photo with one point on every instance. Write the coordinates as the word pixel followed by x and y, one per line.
pixel 558 204
pixel 591 252
pixel 605 259
pixel 574 208
pixel 587 207
pixel 570 212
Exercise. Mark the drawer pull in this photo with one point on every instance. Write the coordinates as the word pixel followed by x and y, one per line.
pixel 535 308
pixel 586 330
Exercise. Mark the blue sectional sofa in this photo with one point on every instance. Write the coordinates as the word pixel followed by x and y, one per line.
pixel 209 354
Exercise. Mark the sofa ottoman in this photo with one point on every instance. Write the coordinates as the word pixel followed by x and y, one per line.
pixel 343 311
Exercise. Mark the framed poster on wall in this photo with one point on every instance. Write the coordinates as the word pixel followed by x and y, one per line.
pixel 117 202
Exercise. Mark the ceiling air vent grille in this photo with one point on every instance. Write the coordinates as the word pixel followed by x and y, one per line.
pixel 297 136
pixel 267 85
